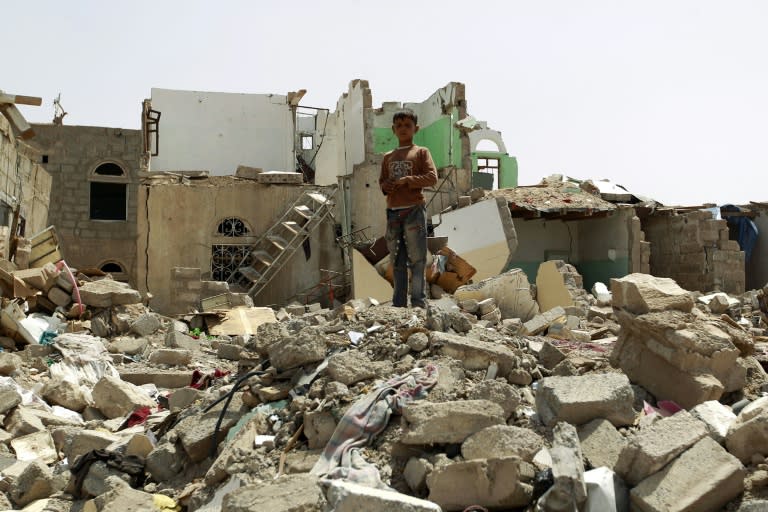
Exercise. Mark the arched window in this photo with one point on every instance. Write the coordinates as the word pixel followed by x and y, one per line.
pixel 109 192
pixel 227 258
pixel 487 145
pixel 116 269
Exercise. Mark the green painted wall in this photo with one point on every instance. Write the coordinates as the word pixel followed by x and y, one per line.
pixel 507 167
pixel 603 271
pixel 442 139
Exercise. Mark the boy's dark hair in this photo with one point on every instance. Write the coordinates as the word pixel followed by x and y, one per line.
pixel 405 113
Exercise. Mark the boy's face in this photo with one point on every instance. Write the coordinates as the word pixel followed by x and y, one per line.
pixel 404 129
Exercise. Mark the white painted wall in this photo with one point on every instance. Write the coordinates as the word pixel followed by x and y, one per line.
pixel 537 236
pixel 217 131
pixel 428 111
pixel 476 136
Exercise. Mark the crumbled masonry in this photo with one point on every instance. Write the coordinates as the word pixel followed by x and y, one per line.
pixel 405 409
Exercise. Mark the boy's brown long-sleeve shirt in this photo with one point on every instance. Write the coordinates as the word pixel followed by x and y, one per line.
pixel 415 165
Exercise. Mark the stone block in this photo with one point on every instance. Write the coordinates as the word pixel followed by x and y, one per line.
pixel 495 484
pixel 35 482
pixel 601 443
pixel 350 367
pixel 277 391
pixel 581 399
pixel 176 339
pixel 748 434
pixel 160 378
pixel 511 291
pixel 229 351
pixel 183 397
pixel 196 432
pixel 59 297
pixel 497 391
pixel 307 347
pixel 549 355
pixel 115 397
pixel 475 354
pixel 36 446
pixel 717 418
pixel 500 441
pixel 415 474
pixel 318 427
pixel 23 421
pixel 127 345
pixel 643 293
pixel 65 393
pixel 85 441
pixel 344 496
pixel 171 356
pixel 145 324
pixel 704 479
pixel 9 398
pixel 294 493
pixel 569 491
pixel 9 363
pixel 166 461
pixel 655 446
pixel 106 292
pixel 540 323
pixel 246 172
pixel 448 422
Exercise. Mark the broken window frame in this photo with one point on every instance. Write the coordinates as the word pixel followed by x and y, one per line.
pixel 486 168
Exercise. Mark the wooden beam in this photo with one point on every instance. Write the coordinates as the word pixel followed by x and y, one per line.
pixel 18 99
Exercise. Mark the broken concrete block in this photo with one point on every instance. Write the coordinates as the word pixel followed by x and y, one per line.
pixel 118 495
pixel 9 363
pixel 176 339
pixel 350 367
pixel 171 356
pixel 748 434
pixel 9 398
pixel 160 378
pixel 486 306
pixel 241 443
pixel 277 391
pixel 495 483
pixel 511 290
pixel 183 398
pixel 65 393
pixel 115 397
pixel 704 479
pixel 344 496
pixel 23 421
pixel 541 323
pixel 308 347
pixel 569 492
pixel 415 473
pixel 655 446
pixel 85 441
pixel 643 293
pixel 34 483
pixel 677 356
pixel 59 297
pixel 290 493
pixel 580 399
pixel 448 422
pixel 100 478
pixel 229 351
pixel 601 443
pixel 475 354
pixel 196 432
pixel 166 461
pixel 127 345
pixel 318 427
pixel 106 292
pixel 500 441
pixel 498 392
pixel 35 446
pixel 145 325
pixel 717 418
pixel 550 356
pixel 418 341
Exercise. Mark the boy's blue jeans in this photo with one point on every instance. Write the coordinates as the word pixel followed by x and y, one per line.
pixel 407 243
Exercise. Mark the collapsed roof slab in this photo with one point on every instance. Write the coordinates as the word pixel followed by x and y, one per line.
pixel 483 234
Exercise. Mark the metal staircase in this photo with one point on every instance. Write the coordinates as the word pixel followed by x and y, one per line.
pixel 274 248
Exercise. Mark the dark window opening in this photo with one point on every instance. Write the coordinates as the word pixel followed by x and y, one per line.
pixel 112 268
pixel 232 227
pixel 109 169
pixel 489 166
pixel 45 159
pixel 306 142
pixel 108 201
pixel 6 212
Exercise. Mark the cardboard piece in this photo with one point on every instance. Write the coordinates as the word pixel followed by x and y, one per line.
pixel 550 288
pixel 240 320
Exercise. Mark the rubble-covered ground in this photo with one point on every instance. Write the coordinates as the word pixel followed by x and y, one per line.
pixel 647 397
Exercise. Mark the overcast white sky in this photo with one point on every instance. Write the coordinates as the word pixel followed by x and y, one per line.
pixel 668 98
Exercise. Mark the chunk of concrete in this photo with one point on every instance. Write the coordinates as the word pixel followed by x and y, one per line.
pixel 166 461
pixel 418 341
pixel 540 323
pixel 23 421
pixel 171 356
pixel 229 351
pixel 182 398
pixel 307 347
pixel 511 291
pixel 704 479
pixel 9 398
pixel 415 473
pixel 350 367
pixel 10 363
pixel 106 292
pixel 145 324
pixel 318 428
pixel 344 496
pixel 496 483
pixel 115 397
pixel 127 345
pixel 475 354
pixel 601 443
pixel 569 491
pixel 448 422
pixel 160 378
pixel 549 355
pixel 296 493
pixel 118 495
pixel 176 339
pixel 34 483
pixel 748 435
pixel 59 391
pixel 643 293
pixel 581 399
pixel 85 441
pixel 196 433
pixel 497 391
pixel 678 356
pixel 717 418
pixel 653 447
pixel 501 441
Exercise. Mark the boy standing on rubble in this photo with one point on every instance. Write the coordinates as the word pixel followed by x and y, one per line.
pixel 405 171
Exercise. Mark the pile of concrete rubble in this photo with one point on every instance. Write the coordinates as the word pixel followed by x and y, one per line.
pixel 646 397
